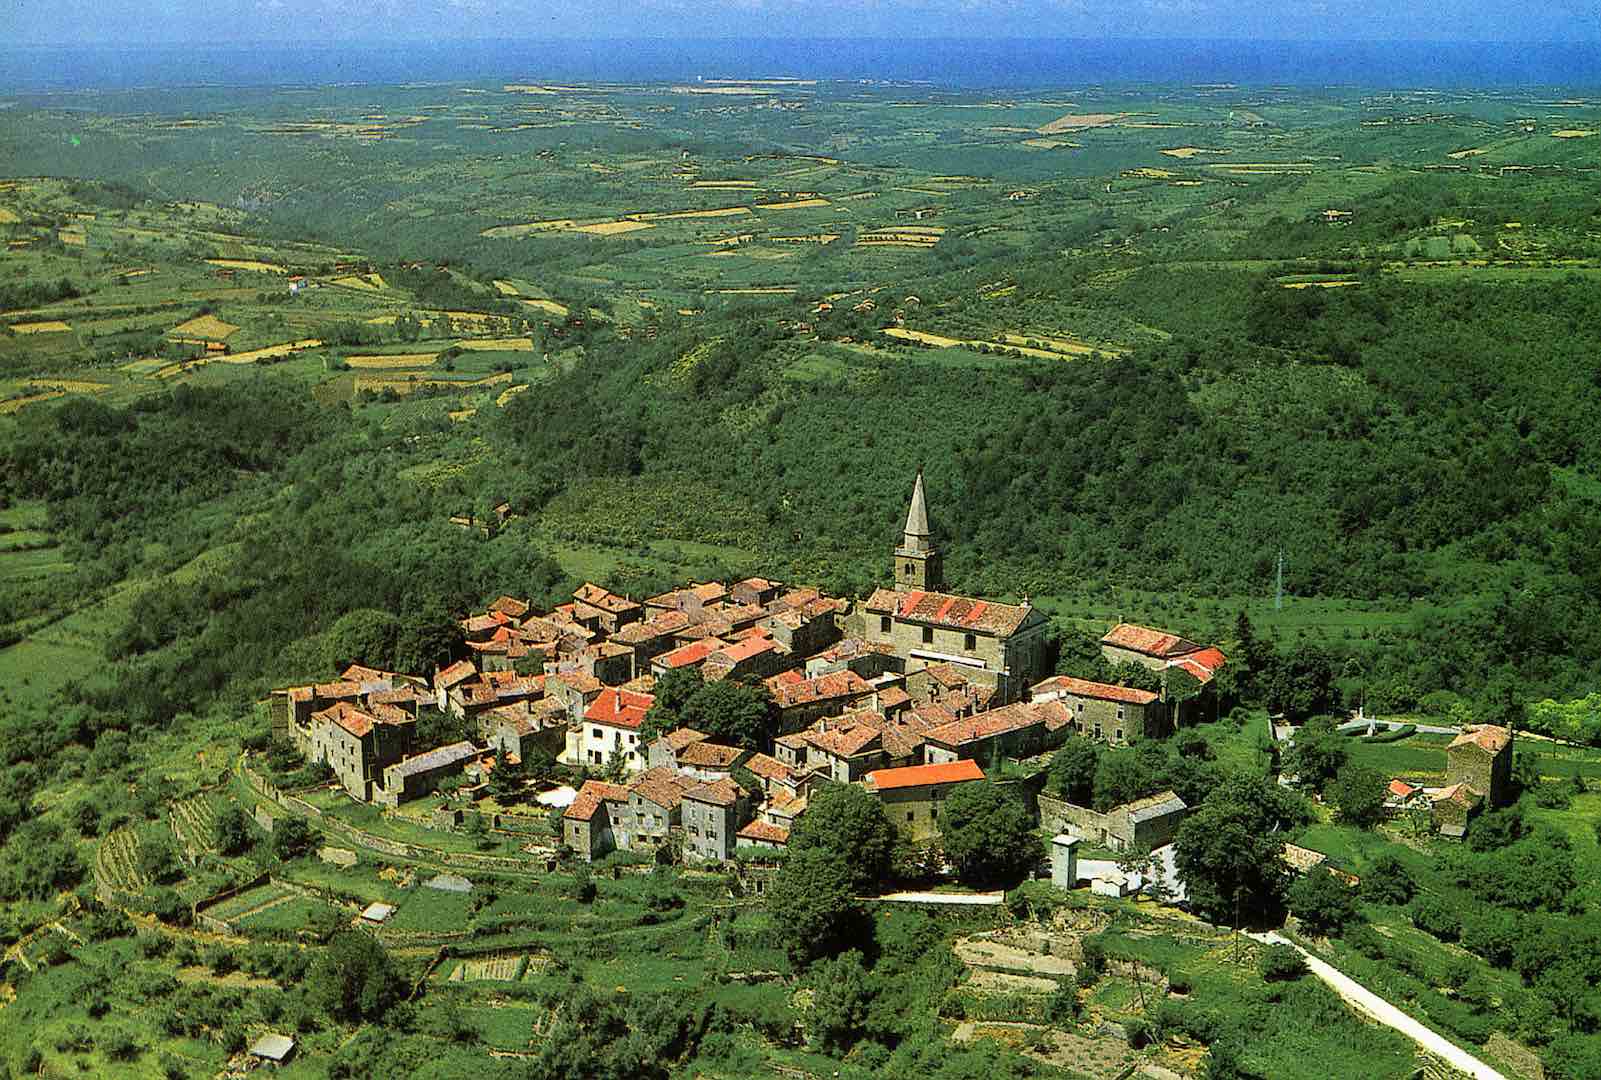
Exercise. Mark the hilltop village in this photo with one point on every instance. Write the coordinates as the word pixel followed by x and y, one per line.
pixel 908 692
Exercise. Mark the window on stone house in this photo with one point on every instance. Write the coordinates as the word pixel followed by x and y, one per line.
pixel 908 815
pixel 1118 734
pixel 883 624
pixel 970 642
pixel 928 635
pixel 1120 712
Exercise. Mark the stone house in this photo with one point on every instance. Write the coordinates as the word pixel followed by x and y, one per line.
pixel 754 590
pixel 712 813
pixel 603 609
pixel 1451 807
pixel 1160 651
pixel 801 702
pixel 655 805
pixel 575 691
pixel 358 745
pixel 777 778
pixel 1148 823
pixel 1116 715
pixel 650 638
pixel 693 654
pixel 912 796
pixel 663 753
pixel 1481 758
pixel 1013 731
pixel 867 660
pixel 804 629
pixel 843 751
pixel 418 776
pixel 611 729
pixel 762 834
pixel 708 761
pixel 592 824
pixel 755 657
pixel 448 678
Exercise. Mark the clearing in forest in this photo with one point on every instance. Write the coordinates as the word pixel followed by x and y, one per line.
pixel 675 215
pixel 506 288
pixel 369 282
pixel 1186 152
pixel 51 327
pixel 501 232
pixel 247 264
pixel 1319 284
pixel 206 326
pixel 1572 133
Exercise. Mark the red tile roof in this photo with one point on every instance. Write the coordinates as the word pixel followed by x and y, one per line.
pixel 717 792
pixel 692 654
pixel 349 717
pixel 845 740
pixel 766 767
pixel 1066 684
pixel 679 738
pixel 891 696
pixel 662 786
pixel 590 797
pixel 604 599
pixel 330 690
pixel 988 724
pixel 838 684
pixel 1401 788
pixel 761 830
pixel 508 605
pixel 1487 737
pixel 300 693
pixel 619 708
pixel 709 755
pixel 953 772
pixel 458 672
pixel 1151 642
pixel 943 609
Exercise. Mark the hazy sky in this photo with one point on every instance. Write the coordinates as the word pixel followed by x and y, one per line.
pixel 111 21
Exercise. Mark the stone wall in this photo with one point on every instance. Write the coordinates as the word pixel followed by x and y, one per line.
pixel 1059 816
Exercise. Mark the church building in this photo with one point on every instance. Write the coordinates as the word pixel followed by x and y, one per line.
pixel 997 645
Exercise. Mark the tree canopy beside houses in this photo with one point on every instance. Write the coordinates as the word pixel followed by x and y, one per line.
pixel 986 832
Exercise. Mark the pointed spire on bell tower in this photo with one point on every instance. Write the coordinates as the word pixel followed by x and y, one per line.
pixel 917 562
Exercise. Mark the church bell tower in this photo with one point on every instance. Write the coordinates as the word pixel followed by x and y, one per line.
pixel 917 561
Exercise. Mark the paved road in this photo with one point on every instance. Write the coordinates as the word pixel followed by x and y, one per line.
pixel 1370 1004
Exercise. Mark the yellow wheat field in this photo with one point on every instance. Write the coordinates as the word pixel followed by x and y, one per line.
pixel 1186 152
pixel 247 264
pixel 75 239
pixel 68 386
pixel 396 360
pixel 208 327
pixel 723 185
pixel 509 393
pixel 818 238
pixel 1320 284
pixel 369 282
pixel 51 327
pixel 676 215
pixel 501 232
pixel 1148 174
pixel 506 288
pixel 612 228
pixel 271 352
pixel 460 415
pixel 143 367
pixel 18 404
pixel 8 217
pixel 769 290
pixel 516 344
pixel 1572 133
pixel 793 204
pixel 549 306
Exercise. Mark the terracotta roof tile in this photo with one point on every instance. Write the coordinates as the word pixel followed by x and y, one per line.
pixel 347 716
pixel 1151 642
pixel 692 654
pixel 458 672
pixel 679 738
pixel 845 740
pixel 954 612
pixel 604 599
pixel 619 708
pixel 717 792
pixel 838 684
pixel 953 772
pixel 761 830
pixel 591 796
pixel 709 755
pixel 1066 684
pixel 988 724
pixel 508 605
pixel 769 768
pixel 1487 737
pixel 662 786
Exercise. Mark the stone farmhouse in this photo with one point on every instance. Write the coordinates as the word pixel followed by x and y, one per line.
pixel 1115 715
pixel 1148 823
pixel 912 795
pixel 1161 651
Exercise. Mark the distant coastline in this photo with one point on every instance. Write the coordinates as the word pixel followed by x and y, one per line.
pixel 1006 64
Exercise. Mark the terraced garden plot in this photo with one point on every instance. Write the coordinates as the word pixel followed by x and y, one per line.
pixel 291 912
pixel 194 823
pixel 251 902
pixel 117 858
pixel 509 968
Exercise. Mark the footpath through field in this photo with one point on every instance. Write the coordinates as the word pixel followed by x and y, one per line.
pixel 1370 1004
pixel 970 899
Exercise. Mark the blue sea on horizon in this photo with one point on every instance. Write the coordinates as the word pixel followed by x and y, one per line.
pixel 972 64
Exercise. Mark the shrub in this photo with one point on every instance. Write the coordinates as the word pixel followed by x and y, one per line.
pixel 1179 982
pixel 1062 1004
pixel 1280 963
pixel 1365 940
pixel 1137 1030
pixel 1387 882
pixel 1434 916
